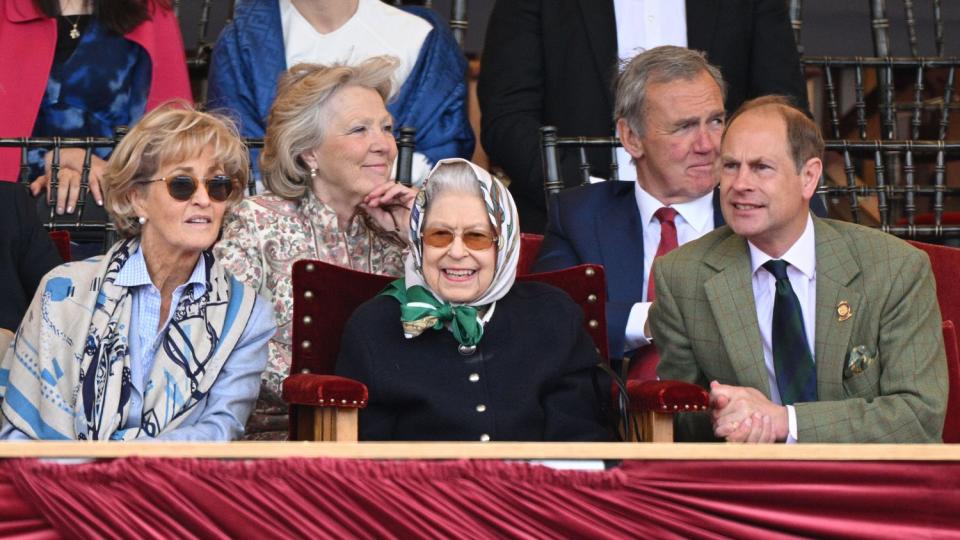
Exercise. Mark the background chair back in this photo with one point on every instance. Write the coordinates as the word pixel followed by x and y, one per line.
pixel 557 153
pixel 529 248
pixel 944 261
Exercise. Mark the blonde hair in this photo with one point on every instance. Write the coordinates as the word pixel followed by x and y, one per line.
pixel 301 111
pixel 171 133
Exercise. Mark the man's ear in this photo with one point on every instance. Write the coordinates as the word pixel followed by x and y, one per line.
pixel 810 176
pixel 631 141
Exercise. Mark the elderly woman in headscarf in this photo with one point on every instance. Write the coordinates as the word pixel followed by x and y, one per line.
pixel 326 162
pixel 456 350
pixel 154 339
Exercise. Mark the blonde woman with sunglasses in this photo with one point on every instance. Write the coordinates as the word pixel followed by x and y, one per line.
pixel 479 358
pixel 154 339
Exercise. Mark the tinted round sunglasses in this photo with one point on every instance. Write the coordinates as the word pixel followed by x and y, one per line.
pixel 441 238
pixel 182 186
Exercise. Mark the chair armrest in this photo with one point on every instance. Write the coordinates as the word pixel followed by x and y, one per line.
pixel 324 391
pixel 667 396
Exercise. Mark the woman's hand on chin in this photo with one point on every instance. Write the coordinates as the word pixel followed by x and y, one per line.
pixel 389 204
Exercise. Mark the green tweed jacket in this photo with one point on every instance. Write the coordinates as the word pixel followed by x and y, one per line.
pixel 704 322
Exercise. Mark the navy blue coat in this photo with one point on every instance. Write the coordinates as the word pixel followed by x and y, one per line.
pixel 533 373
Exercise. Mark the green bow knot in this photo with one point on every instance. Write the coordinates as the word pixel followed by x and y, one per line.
pixel 420 310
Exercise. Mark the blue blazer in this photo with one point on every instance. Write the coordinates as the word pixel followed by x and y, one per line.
pixel 600 224
pixel 249 58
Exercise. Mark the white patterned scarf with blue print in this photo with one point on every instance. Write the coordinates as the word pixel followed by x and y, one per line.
pixel 67 373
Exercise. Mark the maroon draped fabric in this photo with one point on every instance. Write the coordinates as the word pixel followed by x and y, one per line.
pixel 325 498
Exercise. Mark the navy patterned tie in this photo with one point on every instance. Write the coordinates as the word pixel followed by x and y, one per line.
pixel 792 361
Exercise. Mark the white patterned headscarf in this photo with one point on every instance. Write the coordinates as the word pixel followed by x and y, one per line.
pixel 503 216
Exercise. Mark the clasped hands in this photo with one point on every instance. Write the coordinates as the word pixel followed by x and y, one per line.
pixel 389 204
pixel 745 415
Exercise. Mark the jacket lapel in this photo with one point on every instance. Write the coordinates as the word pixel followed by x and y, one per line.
pixel 619 234
pixel 702 17
pixel 601 28
pixel 836 269
pixel 730 294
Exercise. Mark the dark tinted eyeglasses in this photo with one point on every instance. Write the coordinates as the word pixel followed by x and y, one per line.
pixel 475 240
pixel 182 186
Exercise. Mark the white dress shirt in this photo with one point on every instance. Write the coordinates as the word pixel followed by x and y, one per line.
pixel 802 272
pixel 375 29
pixel 642 25
pixel 694 219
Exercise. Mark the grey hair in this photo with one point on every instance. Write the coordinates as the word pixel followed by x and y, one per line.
pixel 656 66
pixel 301 111
pixel 455 177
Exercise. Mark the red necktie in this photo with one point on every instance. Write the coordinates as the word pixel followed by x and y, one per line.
pixel 668 241
pixel 644 364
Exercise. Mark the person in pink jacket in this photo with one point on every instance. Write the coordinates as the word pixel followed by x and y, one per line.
pixel 81 68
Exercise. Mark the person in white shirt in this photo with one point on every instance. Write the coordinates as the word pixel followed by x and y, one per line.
pixel 804 329
pixel 268 36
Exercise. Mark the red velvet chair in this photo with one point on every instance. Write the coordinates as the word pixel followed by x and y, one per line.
pixel 529 248
pixel 324 406
pixel 945 261
pixel 61 240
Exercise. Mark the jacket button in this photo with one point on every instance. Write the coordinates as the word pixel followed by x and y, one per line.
pixel 481 407
pixel 474 377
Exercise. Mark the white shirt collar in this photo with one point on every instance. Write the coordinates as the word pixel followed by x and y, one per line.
pixel 134 273
pixel 802 255
pixel 698 213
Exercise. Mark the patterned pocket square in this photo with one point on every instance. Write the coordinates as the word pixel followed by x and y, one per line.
pixel 858 361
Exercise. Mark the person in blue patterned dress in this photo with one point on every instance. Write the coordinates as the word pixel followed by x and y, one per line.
pixel 82 68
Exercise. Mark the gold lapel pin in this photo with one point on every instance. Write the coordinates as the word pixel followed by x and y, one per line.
pixel 843 311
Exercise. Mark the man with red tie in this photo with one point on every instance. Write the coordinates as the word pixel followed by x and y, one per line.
pixel 670 117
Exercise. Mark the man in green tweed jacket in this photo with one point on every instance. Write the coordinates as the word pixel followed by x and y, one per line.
pixel 803 329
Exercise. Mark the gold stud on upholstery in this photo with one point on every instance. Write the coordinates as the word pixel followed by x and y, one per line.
pixel 589 272
pixel 311 267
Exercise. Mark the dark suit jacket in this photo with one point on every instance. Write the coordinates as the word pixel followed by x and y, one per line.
pixel 26 253
pixel 600 224
pixel 705 324
pixel 534 373
pixel 552 62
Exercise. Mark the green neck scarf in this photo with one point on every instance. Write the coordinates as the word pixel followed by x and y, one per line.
pixel 420 310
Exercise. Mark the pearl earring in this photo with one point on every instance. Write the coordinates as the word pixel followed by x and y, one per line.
pixel 313 172
pixel 142 220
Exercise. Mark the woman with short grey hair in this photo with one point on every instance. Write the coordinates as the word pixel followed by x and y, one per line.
pixel 327 160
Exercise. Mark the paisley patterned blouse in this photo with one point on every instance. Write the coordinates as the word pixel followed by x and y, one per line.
pixel 262 237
